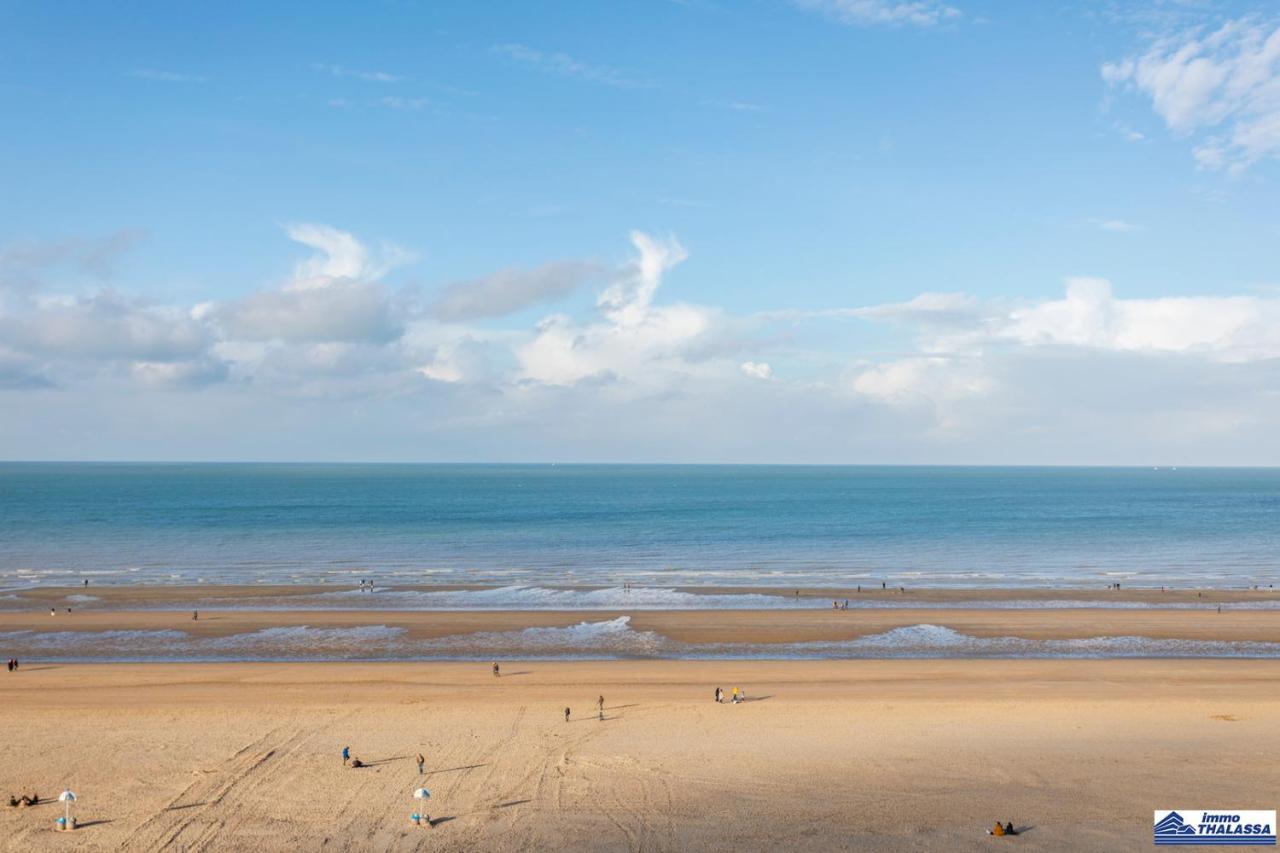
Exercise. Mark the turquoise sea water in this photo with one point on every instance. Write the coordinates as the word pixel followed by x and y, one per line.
pixel 652 525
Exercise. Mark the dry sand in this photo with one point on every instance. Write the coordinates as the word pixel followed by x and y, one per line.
pixel 868 755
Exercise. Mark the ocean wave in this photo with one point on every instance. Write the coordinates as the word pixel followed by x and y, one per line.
pixel 539 598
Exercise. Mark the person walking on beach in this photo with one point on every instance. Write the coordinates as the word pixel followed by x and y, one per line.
pixel 195 615
pixel 600 706
pixel 421 761
pixel 346 755
pixel 735 696
pixel 497 673
pixel 566 715
pixel 719 695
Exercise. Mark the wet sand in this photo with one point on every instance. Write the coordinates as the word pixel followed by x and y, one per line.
pixel 231 595
pixel 860 755
pixel 694 626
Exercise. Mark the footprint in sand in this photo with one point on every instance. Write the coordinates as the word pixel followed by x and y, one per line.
pixel 1229 718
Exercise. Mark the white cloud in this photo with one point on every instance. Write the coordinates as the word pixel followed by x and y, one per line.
pixel 357 74
pixel 1118 226
pixel 339 311
pixel 1222 87
pixel 347 366
pixel 554 62
pixel 396 102
pixel 920 13
pixel 1090 316
pixel 340 257
pixel 928 380
pixel 166 76
pixel 509 290
pixel 634 341
pixel 104 326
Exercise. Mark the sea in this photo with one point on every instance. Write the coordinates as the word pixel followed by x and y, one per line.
pixel 644 525
pixel 621 538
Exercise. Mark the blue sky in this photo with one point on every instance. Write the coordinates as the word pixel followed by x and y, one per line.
pixel 824 231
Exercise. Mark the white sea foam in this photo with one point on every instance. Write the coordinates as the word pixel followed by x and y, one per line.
pixel 522 597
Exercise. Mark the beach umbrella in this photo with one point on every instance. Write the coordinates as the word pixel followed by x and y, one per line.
pixel 68 797
pixel 422 794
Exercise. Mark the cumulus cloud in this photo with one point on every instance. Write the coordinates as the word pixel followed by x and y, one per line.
pixel 633 340
pixel 509 290
pixel 1221 87
pixel 104 326
pixel 336 351
pixel 1090 316
pixel 334 295
pixel 341 311
pixel 920 13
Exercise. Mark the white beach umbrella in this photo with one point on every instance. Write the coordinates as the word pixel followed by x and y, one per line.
pixel 68 797
pixel 422 794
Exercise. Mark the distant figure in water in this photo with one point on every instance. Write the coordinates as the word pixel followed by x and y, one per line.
pixel 883 585
pixel 497 673
pixel 421 762
pixel 195 615
pixel 346 754
pixel 566 715
pixel 600 706
pixel 846 604
pixel 52 612
pixel 86 581
pixel 1219 608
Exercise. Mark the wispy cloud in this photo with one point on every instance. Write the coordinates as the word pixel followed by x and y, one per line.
pixel 1221 87
pixel 1116 225
pixel 357 74
pixel 397 102
pixel 510 290
pixel 566 66
pixel 165 76
pixel 866 13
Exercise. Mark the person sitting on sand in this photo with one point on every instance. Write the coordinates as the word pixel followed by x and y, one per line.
pixel 1007 829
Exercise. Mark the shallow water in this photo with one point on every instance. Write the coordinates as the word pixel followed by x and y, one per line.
pixel 612 639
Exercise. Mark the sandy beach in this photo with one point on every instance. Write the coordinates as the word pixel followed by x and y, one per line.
pixel 864 755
